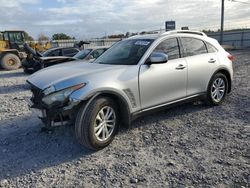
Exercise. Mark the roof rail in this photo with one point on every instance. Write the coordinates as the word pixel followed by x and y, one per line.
pixel 186 32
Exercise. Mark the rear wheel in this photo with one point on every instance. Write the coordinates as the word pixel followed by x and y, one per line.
pixel 10 62
pixel 95 127
pixel 217 89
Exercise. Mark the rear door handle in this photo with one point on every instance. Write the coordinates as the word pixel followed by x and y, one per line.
pixel 180 67
pixel 212 60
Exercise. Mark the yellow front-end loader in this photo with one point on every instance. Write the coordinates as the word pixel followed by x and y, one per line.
pixel 12 49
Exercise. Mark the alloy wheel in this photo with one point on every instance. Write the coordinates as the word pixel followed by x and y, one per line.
pixel 218 89
pixel 105 123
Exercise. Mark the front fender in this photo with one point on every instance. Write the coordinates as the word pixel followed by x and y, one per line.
pixel 119 97
pixel 84 94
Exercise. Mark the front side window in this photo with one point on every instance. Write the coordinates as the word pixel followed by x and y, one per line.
pixel 193 46
pixel 170 47
pixel 55 53
pixel 69 51
pixel 126 52
pixel 51 52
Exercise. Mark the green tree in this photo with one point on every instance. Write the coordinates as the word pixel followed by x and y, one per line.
pixel 42 37
pixel 61 36
pixel 116 36
pixel 27 37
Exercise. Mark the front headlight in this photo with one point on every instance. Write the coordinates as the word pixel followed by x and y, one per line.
pixel 60 96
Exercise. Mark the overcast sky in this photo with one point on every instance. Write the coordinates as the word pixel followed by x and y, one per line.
pixel 94 18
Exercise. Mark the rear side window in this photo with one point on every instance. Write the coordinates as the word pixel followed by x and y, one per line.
pixel 193 46
pixel 169 47
pixel 210 48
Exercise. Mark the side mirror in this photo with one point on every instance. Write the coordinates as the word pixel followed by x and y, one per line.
pixel 92 57
pixel 157 58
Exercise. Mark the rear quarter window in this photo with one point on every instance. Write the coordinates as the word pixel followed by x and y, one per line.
pixel 210 48
pixel 193 46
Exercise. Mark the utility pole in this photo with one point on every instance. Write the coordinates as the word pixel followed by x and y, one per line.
pixel 222 22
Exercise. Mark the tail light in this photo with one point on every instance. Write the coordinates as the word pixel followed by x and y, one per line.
pixel 231 57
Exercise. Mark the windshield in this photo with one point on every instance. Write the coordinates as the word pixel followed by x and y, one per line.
pixel 82 54
pixel 126 52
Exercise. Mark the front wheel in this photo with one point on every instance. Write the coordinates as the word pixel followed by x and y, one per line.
pixel 96 126
pixel 217 89
pixel 10 62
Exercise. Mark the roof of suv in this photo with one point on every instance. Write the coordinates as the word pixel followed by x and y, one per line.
pixel 158 35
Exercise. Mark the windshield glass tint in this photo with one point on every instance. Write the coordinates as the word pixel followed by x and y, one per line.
pixel 127 52
pixel 82 54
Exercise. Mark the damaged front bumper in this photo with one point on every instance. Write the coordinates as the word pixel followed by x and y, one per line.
pixel 32 65
pixel 53 115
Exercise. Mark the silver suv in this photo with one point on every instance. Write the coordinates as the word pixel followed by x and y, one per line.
pixel 136 75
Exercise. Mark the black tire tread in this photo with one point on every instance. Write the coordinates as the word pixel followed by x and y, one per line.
pixel 209 100
pixel 84 118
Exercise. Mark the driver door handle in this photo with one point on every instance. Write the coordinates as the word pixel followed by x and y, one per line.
pixel 180 67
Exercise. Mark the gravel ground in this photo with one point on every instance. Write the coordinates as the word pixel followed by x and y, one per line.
pixel 189 145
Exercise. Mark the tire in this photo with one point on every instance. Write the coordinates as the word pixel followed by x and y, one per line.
pixel 10 62
pixel 88 119
pixel 218 81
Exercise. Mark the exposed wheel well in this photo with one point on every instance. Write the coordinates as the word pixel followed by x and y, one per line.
pixel 227 74
pixel 123 107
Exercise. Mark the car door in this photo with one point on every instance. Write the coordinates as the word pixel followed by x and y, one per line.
pixel 166 82
pixel 201 64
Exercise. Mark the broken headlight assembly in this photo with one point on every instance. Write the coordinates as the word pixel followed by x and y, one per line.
pixel 59 97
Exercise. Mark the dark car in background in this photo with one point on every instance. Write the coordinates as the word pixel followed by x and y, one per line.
pixel 39 62
pixel 61 51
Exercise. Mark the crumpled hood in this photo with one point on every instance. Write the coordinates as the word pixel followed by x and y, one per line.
pixel 67 74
